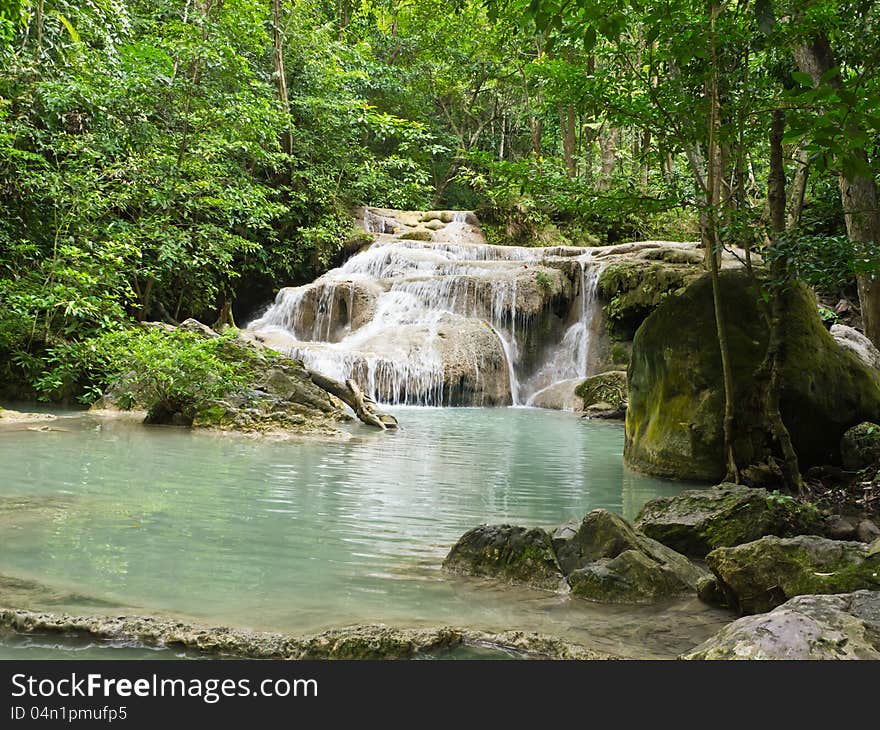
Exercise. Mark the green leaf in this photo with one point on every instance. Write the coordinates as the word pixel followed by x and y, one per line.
pixel 804 79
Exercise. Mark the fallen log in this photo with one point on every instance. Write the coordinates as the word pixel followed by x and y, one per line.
pixel 364 407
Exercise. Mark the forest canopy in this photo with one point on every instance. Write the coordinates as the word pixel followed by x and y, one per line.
pixel 175 158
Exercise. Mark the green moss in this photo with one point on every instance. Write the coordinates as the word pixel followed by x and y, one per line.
pixel 674 419
pixel 760 575
pixel 417 235
pixel 607 388
pixel 632 289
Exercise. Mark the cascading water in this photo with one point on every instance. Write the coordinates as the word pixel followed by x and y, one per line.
pixel 430 314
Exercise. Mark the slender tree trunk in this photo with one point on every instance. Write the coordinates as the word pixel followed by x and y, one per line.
pixel 713 249
pixel 278 57
pixel 798 188
pixel 780 275
pixel 858 194
pixel 609 140
pixel 567 123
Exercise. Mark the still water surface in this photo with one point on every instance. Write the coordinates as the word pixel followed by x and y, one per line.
pixel 102 515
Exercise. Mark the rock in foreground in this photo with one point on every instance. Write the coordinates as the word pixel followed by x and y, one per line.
pixel 602 558
pixel 353 642
pixel 763 574
pixel 509 553
pixel 697 521
pixel 844 626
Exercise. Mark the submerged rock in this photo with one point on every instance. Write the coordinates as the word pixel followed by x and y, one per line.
pixel 860 445
pixel 844 626
pixel 674 419
pixel 9 416
pixel 506 552
pixel 700 520
pixel 602 557
pixel 758 576
pixel 354 642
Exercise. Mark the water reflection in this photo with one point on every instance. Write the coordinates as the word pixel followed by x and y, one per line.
pixel 301 536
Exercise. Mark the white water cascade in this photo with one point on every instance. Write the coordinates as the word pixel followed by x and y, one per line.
pixel 430 314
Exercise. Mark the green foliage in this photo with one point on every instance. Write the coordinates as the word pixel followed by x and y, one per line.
pixel 175 371
pixel 544 280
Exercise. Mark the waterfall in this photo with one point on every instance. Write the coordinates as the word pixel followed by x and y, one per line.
pixel 571 358
pixel 445 321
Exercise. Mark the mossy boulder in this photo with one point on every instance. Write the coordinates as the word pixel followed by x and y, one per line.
pixel 860 446
pixel 631 577
pixel 697 521
pixel 607 388
pixel 507 552
pixel 844 626
pixel 760 575
pixel 606 560
pixel 676 399
pixel 602 556
pixel 632 289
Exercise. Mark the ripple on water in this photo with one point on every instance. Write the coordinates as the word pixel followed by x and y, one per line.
pixel 301 536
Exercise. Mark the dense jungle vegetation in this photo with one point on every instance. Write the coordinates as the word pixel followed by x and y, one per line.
pixel 184 158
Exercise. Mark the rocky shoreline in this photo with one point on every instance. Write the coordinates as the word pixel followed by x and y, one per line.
pixel 355 642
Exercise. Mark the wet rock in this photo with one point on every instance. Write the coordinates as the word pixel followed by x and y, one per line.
pixel 354 642
pixel 855 342
pixel 709 591
pixel 560 396
pixel 607 560
pixel 758 576
pixel 509 553
pixel 9 416
pixel 631 577
pixel 838 528
pixel 860 445
pixel 844 626
pixel 700 520
pixel 606 411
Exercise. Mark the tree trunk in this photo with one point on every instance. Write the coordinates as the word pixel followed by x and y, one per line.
pixel 858 194
pixel 567 125
pixel 779 270
pixel 711 241
pixel 608 142
pixel 798 188
pixel 365 408
pixel 278 58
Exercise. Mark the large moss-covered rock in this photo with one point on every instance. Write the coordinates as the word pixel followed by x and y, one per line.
pixel 607 560
pixel 860 446
pixel 633 288
pixel 700 520
pixel 507 552
pixel 676 398
pixel 845 626
pixel 760 575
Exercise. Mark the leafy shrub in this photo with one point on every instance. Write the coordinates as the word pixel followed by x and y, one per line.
pixel 172 371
